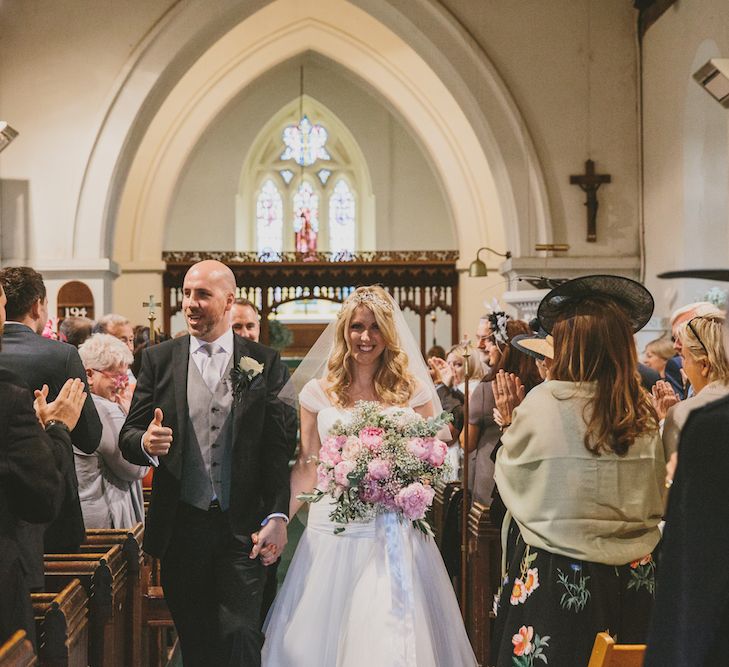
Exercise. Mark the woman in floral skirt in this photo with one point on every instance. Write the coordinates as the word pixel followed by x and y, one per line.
pixel 580 472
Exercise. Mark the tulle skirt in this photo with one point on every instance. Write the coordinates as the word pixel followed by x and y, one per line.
pixel 376 594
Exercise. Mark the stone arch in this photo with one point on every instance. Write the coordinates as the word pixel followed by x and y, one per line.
pixel 437 44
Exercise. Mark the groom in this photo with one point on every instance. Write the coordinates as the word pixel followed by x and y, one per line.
pixel 205 412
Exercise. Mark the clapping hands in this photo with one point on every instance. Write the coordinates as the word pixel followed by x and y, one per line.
pixel 663 398
pixel 508 393
pixel 67 406
pixel 443 371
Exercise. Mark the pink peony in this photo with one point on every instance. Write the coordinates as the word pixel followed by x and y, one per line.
pixel 371 437
pixel 330 451
pixel 341 470
pixel 419 447
pixel 414 500
pixel 324 477
pixel 370 491
pixel 438 453
pixel 352 448
pixel 378 469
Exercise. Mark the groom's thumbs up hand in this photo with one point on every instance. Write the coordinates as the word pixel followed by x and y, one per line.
pixel 157 438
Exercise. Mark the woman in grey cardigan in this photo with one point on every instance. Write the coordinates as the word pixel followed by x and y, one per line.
pixel 109 487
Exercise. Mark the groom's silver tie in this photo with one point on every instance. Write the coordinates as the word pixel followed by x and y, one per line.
pixel 210 371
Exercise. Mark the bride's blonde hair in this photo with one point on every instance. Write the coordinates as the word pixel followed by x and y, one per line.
pixel 393 382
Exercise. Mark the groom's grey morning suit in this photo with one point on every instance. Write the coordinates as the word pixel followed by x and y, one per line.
pixel 225 472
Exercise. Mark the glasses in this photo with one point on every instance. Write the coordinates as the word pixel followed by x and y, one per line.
pixel 696 334
pixel 120 379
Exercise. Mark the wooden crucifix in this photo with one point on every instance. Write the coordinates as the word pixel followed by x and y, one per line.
pixel 589 183
pixel 151 316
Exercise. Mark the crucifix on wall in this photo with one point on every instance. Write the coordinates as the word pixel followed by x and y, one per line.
pixel 589 183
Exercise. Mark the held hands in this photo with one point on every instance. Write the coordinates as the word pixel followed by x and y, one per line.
pixel 269 542
pixel 663 398
pixel 509 392
pixel 157 438
pixel 67 406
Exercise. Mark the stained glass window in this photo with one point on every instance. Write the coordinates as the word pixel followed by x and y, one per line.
pixel 324 175
pixel 269 219
pixel 305 143
pixel 306 217
pixel 342 219
pixel 287 175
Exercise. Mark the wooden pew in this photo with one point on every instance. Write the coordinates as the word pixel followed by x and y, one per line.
pixel 17 652
pixel 443 494
pixel 159 643
pixel 103 574
pixel 484 577
pixel 62 625
pixel 130 540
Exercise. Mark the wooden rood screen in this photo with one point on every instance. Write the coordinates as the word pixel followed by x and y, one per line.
pixel 420 281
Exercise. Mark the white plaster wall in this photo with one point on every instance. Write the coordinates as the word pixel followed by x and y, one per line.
pixel 58 65
pixel 571 68
pixel 408 197
pixel 686 151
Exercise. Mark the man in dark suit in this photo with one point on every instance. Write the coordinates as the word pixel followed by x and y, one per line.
pixel 31 461
pixel 690 620
pixel 39 361
pixel 206 410
pixel 246 321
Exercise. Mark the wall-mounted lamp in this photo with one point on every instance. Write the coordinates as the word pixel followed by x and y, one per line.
pixel 714 78
pixel 7 134
pixel 478 268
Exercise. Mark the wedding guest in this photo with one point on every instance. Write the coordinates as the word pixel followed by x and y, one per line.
pixel 580 471
pixel 75 330
pixel 690 620
pixel 40 362
pixel 118 326
pixel 707 368
pixel 109 487
pixel 246 319
pixel 674 366
pixel 483 431
pixel 657 354
pixel 32 458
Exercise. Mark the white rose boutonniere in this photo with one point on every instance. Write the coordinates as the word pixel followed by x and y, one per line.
pixel 243 374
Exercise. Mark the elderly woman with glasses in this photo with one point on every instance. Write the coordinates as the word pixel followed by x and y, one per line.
pixel 707 369
pixel 109 487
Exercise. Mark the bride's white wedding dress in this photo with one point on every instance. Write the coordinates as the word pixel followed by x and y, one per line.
pixel 375 595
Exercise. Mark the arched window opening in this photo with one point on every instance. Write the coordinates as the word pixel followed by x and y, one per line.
pixel 342 219
pixel 269 220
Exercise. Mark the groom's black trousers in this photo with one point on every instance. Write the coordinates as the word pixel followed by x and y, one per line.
pixel 213 590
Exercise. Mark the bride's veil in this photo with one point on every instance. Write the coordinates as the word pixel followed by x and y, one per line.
pixel 314 364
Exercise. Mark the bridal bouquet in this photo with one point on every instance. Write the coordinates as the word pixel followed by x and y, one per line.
pixel 381 462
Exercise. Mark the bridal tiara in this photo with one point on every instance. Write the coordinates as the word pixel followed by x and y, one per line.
pixel 367 298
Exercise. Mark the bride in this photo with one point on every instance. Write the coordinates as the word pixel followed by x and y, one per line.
pixel 377 593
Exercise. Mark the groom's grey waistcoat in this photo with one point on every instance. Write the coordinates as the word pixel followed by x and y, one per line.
pixel 209 447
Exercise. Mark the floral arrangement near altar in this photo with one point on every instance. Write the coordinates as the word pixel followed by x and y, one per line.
pixel 381 462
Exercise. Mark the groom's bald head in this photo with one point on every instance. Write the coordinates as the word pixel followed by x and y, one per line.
pixel 208 294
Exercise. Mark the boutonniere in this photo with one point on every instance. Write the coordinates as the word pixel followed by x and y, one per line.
pixel 242 375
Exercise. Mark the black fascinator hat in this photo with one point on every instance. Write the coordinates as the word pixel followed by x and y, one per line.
pixel 565 299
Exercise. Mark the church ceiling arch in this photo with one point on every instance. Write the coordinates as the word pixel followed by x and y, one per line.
pixel 187 69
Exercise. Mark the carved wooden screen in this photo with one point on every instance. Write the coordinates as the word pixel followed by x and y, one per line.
pixel 420 281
